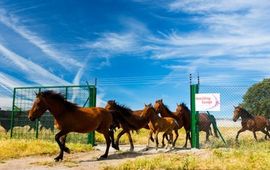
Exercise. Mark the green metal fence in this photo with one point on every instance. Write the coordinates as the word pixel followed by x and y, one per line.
pixel 43 128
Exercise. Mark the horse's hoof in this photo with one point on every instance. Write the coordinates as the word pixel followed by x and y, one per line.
pixel 57 159
pixel 163 145
pixel 116 147
pixel 67 150
pixel 131 149
pixel 102 157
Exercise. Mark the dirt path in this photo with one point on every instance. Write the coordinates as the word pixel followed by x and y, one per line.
pixel 81 161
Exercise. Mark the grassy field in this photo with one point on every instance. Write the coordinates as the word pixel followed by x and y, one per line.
pixel 248 154
pixel 16 148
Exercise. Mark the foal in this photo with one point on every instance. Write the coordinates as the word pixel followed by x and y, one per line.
pixel 159 124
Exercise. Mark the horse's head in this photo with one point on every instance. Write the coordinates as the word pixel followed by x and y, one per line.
pixel 38 108
pixel 182 109
pixel 110 105
pixel 158 106
pixel 236 113
pixel 148 110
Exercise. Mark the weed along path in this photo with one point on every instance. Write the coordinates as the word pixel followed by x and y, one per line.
pixel 87 160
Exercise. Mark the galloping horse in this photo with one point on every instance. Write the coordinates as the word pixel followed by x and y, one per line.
pixel 161 108
pixel 204 122
pixel 205 125
pixel 132 121
pixel 159 124
pixel 250 122
pixel 71 118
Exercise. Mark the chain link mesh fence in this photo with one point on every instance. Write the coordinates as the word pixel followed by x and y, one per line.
pixel 230 96
pixel 20 127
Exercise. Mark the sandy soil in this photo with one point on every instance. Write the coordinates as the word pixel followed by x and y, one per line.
pixel 86 160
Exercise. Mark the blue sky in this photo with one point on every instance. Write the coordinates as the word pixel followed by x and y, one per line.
pixel 139 50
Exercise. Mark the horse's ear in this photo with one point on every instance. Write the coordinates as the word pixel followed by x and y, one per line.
pixel 36 93
pixel 145 105
pixel 161 100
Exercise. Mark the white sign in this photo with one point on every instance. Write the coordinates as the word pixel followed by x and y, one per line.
pixel 207 102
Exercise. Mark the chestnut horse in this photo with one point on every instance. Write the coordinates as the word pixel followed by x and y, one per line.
pixel 161 108
pixel 159 124
pixel 131 120
pixel 204 122
pixel 250 122
pixel 71 118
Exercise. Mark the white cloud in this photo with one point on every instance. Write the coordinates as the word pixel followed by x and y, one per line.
pixel 30 70
pixel 8 83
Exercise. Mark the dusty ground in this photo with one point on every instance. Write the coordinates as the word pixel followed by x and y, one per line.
pixel 87 160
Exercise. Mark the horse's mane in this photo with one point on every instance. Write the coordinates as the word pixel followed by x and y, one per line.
pixel 246 114
pixel 185 106
pixel 121 108
pixel 60 98
pixel 167 109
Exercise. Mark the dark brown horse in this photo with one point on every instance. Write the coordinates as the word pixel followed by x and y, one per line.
pixel 131 120
pixel 161 108
pixel 205 125
pixel 159 124
pixel 71 118
pixel 204 122
pixel 250 122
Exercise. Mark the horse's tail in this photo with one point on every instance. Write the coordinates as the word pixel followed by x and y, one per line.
pixel 214 124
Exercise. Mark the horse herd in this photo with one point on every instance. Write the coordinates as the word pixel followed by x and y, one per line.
pixel 158 118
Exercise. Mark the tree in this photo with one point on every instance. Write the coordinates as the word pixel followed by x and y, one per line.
pixel 257 98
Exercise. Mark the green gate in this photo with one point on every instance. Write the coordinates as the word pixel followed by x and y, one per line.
pixel 43 128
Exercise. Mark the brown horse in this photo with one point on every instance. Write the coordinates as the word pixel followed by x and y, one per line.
pixel 250 122
pixel 71 118
pixel 159 124
pixel 204 122
pixel 205 125
pixel 132 121
pixel 161 108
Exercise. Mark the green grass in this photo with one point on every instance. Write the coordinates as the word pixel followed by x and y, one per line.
pixel 246 155
pixel 16 148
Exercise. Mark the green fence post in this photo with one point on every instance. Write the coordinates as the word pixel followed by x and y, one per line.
pixel 13 112
pixel 92 103
pixel 194 117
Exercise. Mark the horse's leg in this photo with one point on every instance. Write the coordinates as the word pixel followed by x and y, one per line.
pixel 63 141
pixel 187 138
pixel 207 136
pixel 254 134
pixel 149 138
pixel 176 137
pixel 240 131
pixel 118 138
pixel 266 133
pixel 108 143
pixel 130 141
pixel 163 137
pixel 61 146
pixel 111 133
pixel 156 139
pixel 170 142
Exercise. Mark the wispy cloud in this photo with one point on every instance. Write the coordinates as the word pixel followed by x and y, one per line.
pixel 13 22
pixel 29 70
pixel 8 83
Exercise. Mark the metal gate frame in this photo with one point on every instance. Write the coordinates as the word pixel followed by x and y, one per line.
pixel 91 100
